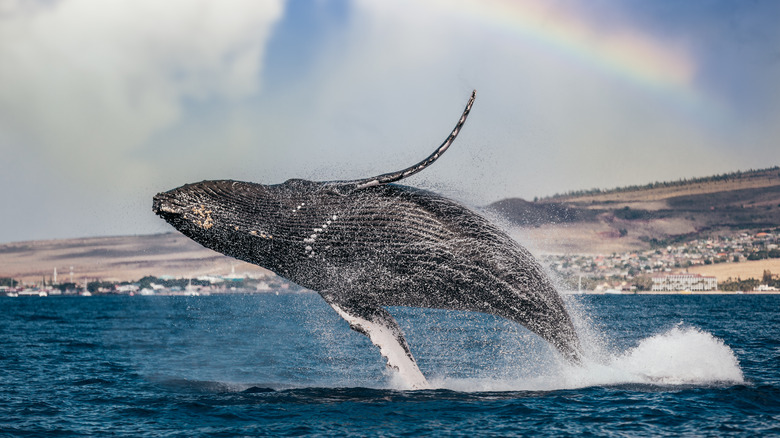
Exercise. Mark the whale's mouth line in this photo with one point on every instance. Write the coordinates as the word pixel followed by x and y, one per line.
pixel 165 205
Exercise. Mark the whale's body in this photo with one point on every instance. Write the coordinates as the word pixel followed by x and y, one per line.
pixel 367 244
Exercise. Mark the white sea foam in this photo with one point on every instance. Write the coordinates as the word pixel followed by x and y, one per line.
pixel 680 356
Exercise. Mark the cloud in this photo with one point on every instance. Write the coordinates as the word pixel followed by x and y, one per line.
pixel 85 83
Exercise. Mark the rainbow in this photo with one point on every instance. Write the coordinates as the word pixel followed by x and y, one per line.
pixel 625 52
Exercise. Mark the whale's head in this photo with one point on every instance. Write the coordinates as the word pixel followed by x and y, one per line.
pixel 226 216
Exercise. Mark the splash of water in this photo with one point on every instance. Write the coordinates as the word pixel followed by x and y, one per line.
pixel 680 356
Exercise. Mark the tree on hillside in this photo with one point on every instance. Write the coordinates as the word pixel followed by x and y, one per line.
pixel 8 282
pixel 643 282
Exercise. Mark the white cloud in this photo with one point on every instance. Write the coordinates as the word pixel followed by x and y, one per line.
pixel 86 82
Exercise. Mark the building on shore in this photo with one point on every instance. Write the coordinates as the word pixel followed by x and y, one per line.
pixel 677 282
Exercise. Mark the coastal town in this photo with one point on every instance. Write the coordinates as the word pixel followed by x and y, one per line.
pixel 232 283
pixel 649 270
pixel 662 269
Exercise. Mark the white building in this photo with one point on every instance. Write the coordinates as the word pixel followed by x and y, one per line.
pixel 126 288
pixel 677 282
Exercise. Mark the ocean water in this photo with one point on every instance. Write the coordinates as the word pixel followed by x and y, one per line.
pixel 287 365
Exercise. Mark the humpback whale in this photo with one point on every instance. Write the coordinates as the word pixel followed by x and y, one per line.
pixel 368 244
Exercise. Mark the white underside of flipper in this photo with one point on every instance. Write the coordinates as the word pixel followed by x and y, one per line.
pixel 386 339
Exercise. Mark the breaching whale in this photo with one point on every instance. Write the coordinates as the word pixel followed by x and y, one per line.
pixel 367 244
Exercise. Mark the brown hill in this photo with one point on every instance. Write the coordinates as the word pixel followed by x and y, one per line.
pixel 658 191
pixel 124 258
pixel 634 218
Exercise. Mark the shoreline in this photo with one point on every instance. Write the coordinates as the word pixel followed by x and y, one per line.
pixel 168 293
pixel 679 292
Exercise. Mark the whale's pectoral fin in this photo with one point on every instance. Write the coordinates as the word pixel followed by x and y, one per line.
pixel 387 178
pixel 384 332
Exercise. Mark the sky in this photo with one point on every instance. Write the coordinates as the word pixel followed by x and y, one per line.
pixel 104 103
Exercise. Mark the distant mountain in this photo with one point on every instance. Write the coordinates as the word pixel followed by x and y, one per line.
pixel 657 213
pixel 121 258
pixel 663 190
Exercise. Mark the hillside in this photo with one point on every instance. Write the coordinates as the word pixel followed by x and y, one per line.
pixel 123 258
pixel 752 179
pixel 632 218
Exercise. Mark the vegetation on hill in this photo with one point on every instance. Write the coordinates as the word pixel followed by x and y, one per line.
pixel 771 172
pixel 750 283
pixel 8 282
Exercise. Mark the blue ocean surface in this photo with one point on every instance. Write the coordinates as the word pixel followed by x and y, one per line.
pixel 287 365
